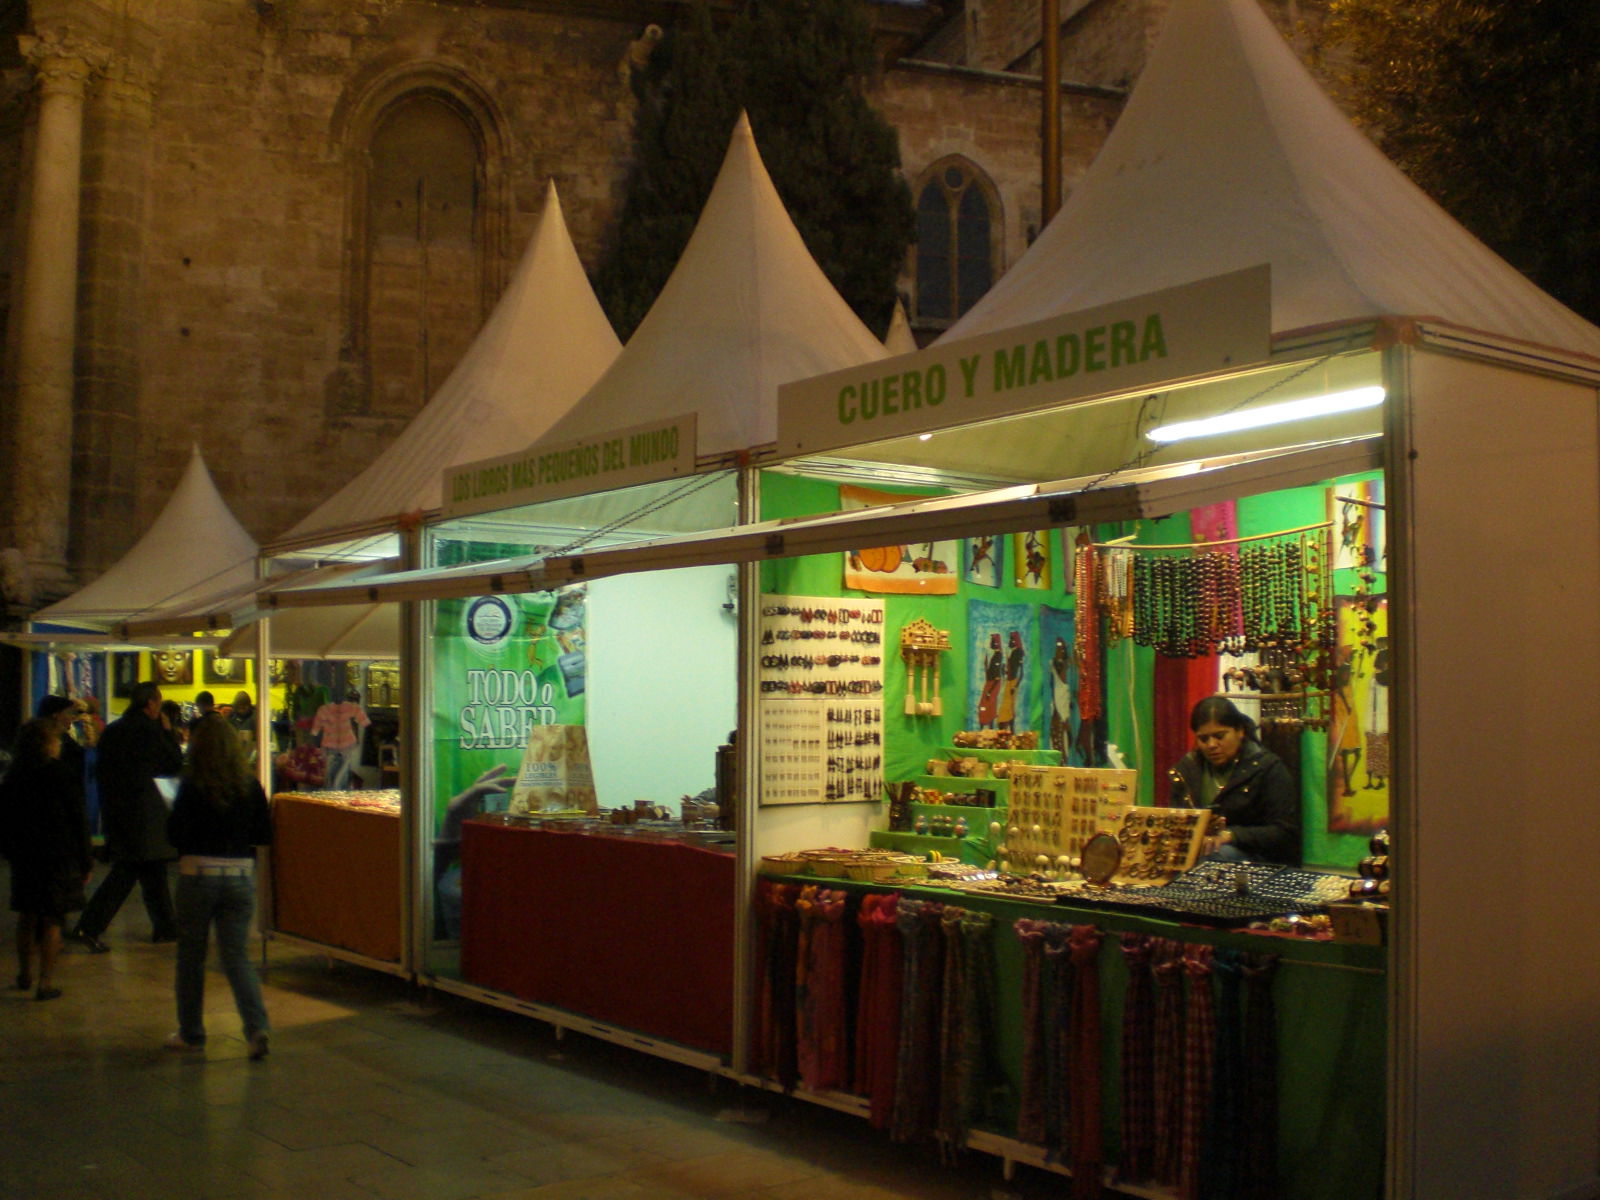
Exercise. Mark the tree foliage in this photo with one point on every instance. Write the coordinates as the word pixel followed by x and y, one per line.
pixel 798 68
pixel 1494 110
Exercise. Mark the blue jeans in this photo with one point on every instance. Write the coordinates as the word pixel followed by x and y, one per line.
pixel 339 764
pixel 229 901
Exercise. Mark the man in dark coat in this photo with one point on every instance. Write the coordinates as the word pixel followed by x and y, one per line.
pixel 134 750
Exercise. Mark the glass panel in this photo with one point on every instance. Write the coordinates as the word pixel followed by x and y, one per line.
pixel 974 264
pixel 933 253
pixel 571 671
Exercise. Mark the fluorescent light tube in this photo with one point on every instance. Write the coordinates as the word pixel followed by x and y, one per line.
pixel 1270 414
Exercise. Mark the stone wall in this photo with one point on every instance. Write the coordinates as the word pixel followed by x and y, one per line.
pixel 995 125
pixel 247 325
pixel 220 300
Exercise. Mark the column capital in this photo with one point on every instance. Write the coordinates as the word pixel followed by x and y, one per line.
pixel 61 60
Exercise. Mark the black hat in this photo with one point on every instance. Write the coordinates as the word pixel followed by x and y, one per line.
pixel 49 706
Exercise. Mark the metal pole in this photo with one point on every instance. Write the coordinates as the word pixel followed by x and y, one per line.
pixel 1050 97
pixel 748 757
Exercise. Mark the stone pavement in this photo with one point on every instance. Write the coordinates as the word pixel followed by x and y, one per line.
pixel 377 1090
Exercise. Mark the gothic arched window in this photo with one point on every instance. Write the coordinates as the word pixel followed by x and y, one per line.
pixel 424 250
pixel 956 228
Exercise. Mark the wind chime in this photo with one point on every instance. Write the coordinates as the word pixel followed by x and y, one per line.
pixel 921 644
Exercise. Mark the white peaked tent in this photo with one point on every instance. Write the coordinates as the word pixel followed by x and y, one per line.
pixel 195 548
pixel 746 309
pixel 899 339
pixel 1229 154
pixel 545 343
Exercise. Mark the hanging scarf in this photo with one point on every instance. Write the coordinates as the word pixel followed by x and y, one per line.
pixel 916 1100
pixel 952 1027
pixel 966 1067
pixel 804 1039
pixel 1138 1061
pixel 1031 1110
pixel 761 1018
pixel 1058 1040
pixel 878 1021
pixel 1219 1164
pixel 1200 1042
pixel 1168 970
pixel 775 1050
pixel 1084 1060
pixel 820 989
pixel 1259 1100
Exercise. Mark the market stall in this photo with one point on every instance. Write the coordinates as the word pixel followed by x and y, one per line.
pixel 335 880
pixel 1227 155
pixel 904 599
pixel 545 341
pixel 194 547
pixel 546 699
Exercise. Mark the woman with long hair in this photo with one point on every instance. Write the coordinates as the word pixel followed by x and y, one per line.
pixel 45 836
pixel 1233 775
pixel 217 821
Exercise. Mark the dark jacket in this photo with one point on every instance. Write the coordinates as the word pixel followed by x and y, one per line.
pixel 1259 802
pixel 133 750
pixel 43 829
pixel 198 825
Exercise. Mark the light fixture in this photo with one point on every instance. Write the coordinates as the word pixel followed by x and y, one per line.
pixel 1270 414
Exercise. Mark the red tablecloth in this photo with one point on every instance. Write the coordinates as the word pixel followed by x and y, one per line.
pixel 336 875
pixel 633 933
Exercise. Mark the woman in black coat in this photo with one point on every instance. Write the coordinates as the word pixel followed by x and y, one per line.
pixel 1230 773
pixel 45 835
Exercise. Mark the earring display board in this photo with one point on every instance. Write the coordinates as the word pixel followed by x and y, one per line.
pixel 1055 810
pixel 821 691
pixel 1159 844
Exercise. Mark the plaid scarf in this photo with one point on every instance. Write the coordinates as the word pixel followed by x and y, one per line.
pixel 965 1054
pixel 1201 1040
pixel 1259 1101
pixel 1031 1110
pixel 1058 1038
pixel 1138 1061
pixel 1220 1162
pixel 1084 1057
pixel 916 1098
pixel 774 1051
pixel 878 1007
pixel 1168 1054
pixel 820 990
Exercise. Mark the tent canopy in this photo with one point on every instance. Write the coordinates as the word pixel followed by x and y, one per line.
pixel 194 548
pixel 1146 493
pixel 359 631
pixel 746 309
pixel 1229 154
pixel 543 345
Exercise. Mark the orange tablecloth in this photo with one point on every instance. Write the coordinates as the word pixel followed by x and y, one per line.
pixel 634 933
pixel 336 875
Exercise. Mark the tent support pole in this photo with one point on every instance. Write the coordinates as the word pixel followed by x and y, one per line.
pixel 1050 99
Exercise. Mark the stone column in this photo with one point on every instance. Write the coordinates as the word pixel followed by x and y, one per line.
pixel 46 315
pixel 116 169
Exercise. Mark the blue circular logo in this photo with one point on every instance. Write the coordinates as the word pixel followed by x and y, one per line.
pixel 489 621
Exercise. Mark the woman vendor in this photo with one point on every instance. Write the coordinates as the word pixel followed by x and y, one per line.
pixel 1230 773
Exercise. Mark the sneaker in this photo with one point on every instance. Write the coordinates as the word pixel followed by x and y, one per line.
pixel 47 993
pixel 258 1046
pixel 178 1044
